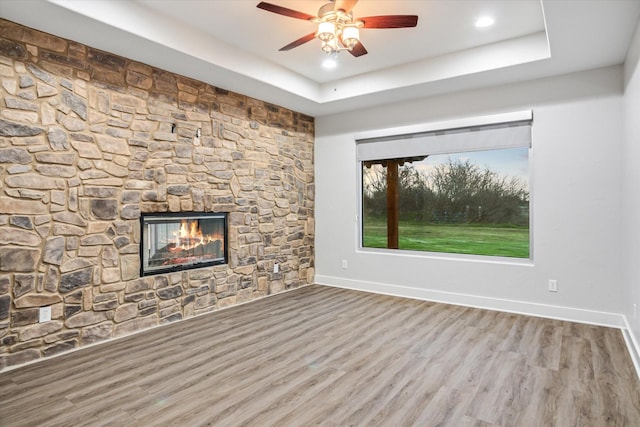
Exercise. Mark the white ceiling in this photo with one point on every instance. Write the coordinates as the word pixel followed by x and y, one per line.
pixel 445 26
pixel 234 45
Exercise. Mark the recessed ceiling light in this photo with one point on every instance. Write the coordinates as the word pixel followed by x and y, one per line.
pixel 330 62
pixel 484 21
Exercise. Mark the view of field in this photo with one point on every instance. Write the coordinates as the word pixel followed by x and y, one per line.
pixel 465 203
pixel 506 241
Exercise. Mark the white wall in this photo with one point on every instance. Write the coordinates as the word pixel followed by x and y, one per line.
pixel 631 190
pixel 576 208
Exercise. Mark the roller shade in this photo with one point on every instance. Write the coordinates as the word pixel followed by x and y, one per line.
pixel 462 139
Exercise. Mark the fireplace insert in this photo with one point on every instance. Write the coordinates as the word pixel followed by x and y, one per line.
pixel 182 241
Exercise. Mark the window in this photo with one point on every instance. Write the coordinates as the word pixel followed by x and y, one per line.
pixel 462 190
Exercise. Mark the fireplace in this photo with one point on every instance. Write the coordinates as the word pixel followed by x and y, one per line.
pixel 182 241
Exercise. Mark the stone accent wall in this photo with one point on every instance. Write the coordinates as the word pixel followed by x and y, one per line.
pixel 88 141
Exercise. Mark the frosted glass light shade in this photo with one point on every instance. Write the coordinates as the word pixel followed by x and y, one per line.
pixel 350 36
pixel 330 46
pixel 326 31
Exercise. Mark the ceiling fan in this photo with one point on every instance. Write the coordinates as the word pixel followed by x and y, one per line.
pixel 337 28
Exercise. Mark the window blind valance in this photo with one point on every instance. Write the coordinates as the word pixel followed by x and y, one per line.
pixel 454 140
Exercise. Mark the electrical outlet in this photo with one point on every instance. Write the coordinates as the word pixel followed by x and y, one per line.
pixel 276 268
pixel 345 264
pixel 45 314
pixel 553 286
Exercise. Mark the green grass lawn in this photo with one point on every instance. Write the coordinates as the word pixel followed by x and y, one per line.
pixel 462 239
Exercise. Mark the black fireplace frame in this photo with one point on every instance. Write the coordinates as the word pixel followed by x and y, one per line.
pixel 149 217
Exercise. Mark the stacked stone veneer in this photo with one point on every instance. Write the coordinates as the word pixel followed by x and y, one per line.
pixel 88 141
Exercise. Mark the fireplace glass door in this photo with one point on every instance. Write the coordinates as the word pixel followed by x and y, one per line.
pixel 174 242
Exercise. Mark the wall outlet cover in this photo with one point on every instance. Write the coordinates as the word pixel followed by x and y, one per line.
pixel 45 314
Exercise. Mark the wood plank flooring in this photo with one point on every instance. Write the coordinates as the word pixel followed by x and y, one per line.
pixel 333 357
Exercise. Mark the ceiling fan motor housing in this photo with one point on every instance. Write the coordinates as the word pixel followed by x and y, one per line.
pixel 326 10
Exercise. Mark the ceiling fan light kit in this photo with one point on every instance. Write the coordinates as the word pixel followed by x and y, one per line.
pixel 337 29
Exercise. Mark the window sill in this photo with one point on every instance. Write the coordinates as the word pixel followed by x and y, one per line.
pixel 442 256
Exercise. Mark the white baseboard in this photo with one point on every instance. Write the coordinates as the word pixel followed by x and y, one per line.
pixel 632 345
pixel 511 306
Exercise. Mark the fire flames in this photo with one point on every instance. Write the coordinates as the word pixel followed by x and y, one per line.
pixel 190 236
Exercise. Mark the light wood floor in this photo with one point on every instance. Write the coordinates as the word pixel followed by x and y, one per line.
pixel 333 357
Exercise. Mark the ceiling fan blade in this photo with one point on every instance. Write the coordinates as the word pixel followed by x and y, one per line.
pixel 300 41
pixel 344 5
pixel 284 11
pixel 358 50
pixel 390 21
